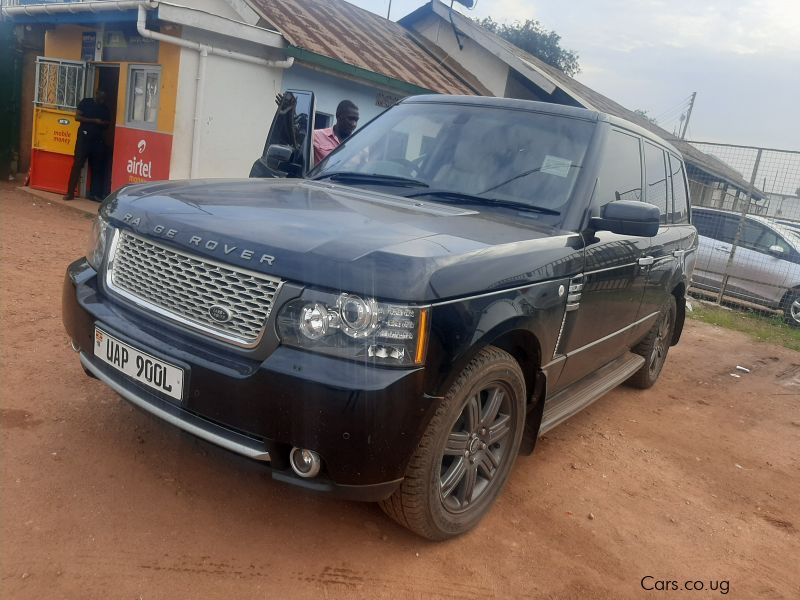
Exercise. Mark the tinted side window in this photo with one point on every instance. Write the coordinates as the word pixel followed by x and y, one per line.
pixel 680 198
pixel 751 234
pixel 726 232
pixel 656 179
pixel 768 239
pixel 707 224
pixel 621 171
pixel 716 226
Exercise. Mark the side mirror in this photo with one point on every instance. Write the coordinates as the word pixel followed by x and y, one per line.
pixel 777 251
pixel 277 153
pixel 628 217
pixel 276 162
pixel 279 158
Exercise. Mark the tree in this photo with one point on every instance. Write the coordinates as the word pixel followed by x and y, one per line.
pixel 536 40
pixel 644 115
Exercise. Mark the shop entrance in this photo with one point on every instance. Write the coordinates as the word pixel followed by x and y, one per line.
pixel 104 76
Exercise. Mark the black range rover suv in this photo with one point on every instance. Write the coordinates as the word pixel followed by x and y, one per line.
pixel 398 323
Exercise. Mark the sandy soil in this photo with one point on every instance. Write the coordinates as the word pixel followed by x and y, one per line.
pixel 695 480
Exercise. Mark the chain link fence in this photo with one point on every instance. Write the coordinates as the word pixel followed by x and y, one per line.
pixel 749 254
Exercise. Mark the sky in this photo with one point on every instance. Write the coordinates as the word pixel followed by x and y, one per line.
pixel 742 57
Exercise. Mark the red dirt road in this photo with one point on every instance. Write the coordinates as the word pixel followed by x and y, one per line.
pixel 695 480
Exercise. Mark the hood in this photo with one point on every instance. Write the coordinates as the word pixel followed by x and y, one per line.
pixel 349 239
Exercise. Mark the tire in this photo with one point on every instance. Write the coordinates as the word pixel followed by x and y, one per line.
pixel 654 347
pixel 791 308
pixel 465 455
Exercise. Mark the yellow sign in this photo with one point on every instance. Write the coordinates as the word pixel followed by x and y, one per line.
pixel 54 130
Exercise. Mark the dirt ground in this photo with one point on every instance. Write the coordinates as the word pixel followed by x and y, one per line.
pixel 696 480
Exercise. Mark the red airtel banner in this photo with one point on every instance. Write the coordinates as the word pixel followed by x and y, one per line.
pixel 140 156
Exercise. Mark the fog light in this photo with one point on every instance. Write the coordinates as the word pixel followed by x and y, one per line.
pixel 306 463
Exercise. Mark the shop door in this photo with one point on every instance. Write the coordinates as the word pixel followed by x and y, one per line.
pixel 101 76
pixel 59 89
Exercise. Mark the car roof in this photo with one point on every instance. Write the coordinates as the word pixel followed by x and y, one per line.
pixel 545 107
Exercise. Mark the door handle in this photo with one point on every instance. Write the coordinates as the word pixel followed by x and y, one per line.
pixel 646 261
pixel 721 249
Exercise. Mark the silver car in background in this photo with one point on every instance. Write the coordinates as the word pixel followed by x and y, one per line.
pixel 766 265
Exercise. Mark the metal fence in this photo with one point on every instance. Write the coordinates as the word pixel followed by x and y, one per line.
pixel 749 253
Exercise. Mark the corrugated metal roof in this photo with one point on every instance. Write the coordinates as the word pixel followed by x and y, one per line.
pixel 357 37
pixel 589 98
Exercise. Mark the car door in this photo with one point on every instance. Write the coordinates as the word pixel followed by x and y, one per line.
pixel 288 149
pixel 613 281
pixel 673 248
pixel 761 264
pixel 707 224
pixel 719 250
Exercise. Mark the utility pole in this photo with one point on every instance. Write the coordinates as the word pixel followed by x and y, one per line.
pixel 688 115
pixel 389 12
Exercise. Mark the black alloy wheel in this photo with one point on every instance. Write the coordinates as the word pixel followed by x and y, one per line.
pixel 655 346
pixel 477 444
pixel 466 453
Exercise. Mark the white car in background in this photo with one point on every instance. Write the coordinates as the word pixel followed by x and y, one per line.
pixel 766 265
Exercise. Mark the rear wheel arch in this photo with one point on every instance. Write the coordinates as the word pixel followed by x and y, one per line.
pixel 679 291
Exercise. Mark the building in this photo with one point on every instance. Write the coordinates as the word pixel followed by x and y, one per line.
pixel 341 50
pixel 192 89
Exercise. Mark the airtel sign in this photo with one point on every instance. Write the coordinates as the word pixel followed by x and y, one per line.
pixel 140 156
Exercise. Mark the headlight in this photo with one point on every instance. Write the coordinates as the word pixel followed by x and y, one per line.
pixel 349 326
pixel 98 240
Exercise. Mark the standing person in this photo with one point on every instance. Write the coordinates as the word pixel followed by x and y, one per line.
pixel 326 140
pixel 94 117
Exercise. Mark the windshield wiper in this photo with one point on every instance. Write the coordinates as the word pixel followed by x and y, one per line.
pixel 374 178
pixel 473 199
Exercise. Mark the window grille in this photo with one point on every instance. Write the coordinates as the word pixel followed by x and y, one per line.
pixel 59 83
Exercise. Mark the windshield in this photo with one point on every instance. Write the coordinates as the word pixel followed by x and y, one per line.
pixel 447 151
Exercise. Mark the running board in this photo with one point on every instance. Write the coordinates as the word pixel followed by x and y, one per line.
pixel 581 394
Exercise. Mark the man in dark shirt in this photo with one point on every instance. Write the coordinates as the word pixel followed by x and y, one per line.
pixel 94 117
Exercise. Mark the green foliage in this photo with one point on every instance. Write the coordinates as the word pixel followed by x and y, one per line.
pixel 535 39
pixel 770 329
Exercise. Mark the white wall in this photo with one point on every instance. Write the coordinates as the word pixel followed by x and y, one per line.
pixel 238 107
pixel 330 90
pixel 490 70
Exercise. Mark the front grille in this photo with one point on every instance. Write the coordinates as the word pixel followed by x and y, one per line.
pixel 185 287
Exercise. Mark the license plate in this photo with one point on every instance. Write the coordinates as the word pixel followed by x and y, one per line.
pixel 144 368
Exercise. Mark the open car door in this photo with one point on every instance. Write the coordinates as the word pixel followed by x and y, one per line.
pixel 288 150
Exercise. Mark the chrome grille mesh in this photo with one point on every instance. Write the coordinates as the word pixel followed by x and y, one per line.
pixel 186 287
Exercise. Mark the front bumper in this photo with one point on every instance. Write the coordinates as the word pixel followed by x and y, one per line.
pixel 365 422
